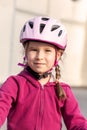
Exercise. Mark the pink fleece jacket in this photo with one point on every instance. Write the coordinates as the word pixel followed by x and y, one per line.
pixel 30 106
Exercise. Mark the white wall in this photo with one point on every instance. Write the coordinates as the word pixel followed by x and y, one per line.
pixel 14 13
pixel 5 29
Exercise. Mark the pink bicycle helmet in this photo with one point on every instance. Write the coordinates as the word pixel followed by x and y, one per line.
pixel 44 29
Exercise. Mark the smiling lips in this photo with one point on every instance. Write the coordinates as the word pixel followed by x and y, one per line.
pixel 39 64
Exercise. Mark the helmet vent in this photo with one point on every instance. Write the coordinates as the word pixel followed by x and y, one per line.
pixel 42 27
pixel 24 28
pixel 31 24
pixel 60 32
pixel 54 27
pixel 45 19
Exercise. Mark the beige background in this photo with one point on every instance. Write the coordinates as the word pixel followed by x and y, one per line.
pixel 14 13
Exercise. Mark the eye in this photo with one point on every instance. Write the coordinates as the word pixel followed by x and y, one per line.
pixel 32 49
pixel 48 50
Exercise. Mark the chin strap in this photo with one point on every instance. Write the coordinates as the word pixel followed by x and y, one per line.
pixel 36 75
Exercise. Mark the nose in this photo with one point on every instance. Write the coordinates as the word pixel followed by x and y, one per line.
pixel 40 54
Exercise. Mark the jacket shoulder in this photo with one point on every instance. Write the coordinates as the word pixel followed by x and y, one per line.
pixel 67 88
pixel 13 80
pixel 65 85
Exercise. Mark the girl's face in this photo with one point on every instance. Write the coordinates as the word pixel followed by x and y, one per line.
pixel 40 56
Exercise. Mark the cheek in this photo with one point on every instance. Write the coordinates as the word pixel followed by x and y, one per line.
pixel 30 56
pixel 51 59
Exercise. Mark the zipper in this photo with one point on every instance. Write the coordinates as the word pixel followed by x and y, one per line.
pixel 42 99
pixel 41 109
pixel 42 86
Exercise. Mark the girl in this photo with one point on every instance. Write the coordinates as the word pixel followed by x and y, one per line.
pixel 32 100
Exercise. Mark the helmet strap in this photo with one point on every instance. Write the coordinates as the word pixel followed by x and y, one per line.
pixel 36 75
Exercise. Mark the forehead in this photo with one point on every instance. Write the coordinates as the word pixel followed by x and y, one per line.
pixel 40 44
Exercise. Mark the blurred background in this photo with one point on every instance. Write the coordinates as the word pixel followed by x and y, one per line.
pixel 72 13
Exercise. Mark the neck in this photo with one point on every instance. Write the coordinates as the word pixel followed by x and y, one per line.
pixel 44 80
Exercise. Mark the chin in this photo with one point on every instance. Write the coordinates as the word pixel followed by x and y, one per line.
pixel 40 72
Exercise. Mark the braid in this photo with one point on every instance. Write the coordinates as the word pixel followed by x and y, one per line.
pixel 60 92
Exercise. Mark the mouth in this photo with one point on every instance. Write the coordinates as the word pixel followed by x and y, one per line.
pixel 39 63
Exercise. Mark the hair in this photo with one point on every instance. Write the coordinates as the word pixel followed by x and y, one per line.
pixel 60 91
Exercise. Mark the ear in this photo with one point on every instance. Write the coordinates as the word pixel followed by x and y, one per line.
pixel 58 55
